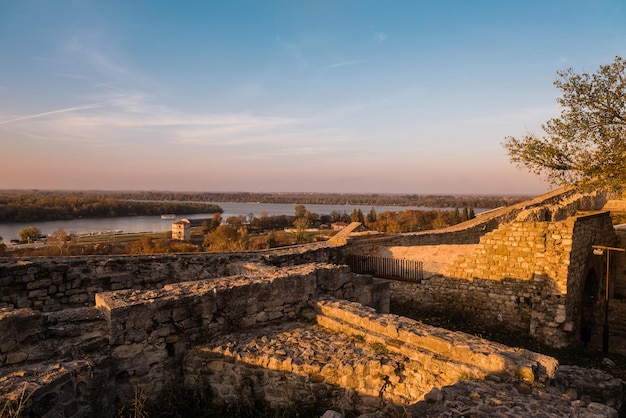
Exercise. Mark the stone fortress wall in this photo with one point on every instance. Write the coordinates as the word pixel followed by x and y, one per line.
pixel 285 335
pixel 80 334
pixel 527 271
pixel 524 275
pixel 50 284
pixel 76 362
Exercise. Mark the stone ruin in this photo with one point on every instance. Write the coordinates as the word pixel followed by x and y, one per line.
pixel 82 335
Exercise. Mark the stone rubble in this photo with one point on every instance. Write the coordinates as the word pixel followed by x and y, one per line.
pixel 487 399
pixel 351 371
pixel 184 317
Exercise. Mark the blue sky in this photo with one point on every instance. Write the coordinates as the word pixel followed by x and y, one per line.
pixel 268 96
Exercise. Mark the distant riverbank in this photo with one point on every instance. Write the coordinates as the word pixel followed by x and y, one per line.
pixel 134 224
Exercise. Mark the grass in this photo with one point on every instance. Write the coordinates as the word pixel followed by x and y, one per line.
pixel 15 409
pixel 380 348
pixel 180 401
pixel 117 238
pixel 137 407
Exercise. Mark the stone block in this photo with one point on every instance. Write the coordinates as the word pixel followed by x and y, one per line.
pixel 38 284
pixel 34 294
pixel 128 351
pixel 16 357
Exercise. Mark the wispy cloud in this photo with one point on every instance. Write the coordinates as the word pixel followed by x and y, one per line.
pixel 51 113
pixel 96 58
pixel 380 36
pixel 110 83
pixel 343 64
pixel 294 51
pixel 126 117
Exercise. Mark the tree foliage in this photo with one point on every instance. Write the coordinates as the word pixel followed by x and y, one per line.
pixel 301 222
pixel 227 237
pixel 416 220
pixel 357 216
pixel 45 206
pixel 586 146
pixel 348 199
pixel 61 240
pixel 149 245
pixel 29 234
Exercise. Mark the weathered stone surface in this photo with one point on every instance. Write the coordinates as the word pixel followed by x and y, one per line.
pixel 528 275
pixel 523 275
pixel 284 364
pixel 508 399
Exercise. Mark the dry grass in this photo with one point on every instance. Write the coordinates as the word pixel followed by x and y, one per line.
pixel 14 409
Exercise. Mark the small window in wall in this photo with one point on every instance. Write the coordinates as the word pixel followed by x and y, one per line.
pixel 171 350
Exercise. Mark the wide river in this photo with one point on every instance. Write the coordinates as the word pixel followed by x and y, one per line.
pixel 9 231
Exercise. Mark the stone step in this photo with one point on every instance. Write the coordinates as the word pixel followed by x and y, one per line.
pixel 292 361
pixel 416 340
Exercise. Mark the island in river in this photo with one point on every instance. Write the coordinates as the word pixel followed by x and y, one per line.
pixel 56 206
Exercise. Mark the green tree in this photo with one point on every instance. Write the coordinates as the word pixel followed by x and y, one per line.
pixel 237 221
pixel 456 217
pixel 440 221
pixel 301 222
pixel 61 239
pixel 371 216
pixel 270 239
pixel 357 216
pixel 586 146
pixel 300 211
pixel 465 216
pixel 29 234
pixel 216 220
pixel 301 225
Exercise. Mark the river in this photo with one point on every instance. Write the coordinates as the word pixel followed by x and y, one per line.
pixel 9 231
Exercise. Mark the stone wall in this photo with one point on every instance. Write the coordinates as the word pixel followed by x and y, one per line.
pixel 524 275
pixel 284 335
pixel 136 339
pixel 56 364
pixel 55 283
pixel 156 314
pixel 354 359
pixel 572 394
pixel 555 206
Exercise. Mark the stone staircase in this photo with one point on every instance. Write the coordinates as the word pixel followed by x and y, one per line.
pixel 351 358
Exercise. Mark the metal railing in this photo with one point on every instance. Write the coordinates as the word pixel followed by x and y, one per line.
pixel 387 268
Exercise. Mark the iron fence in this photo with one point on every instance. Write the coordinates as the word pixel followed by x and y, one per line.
pixel 387 267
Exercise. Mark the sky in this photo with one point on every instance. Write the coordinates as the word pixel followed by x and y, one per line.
pixel 341 96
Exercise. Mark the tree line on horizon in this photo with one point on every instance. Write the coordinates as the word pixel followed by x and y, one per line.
pixel 347 199
pixel 236 232
pixel 251 232
pixel 35 207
